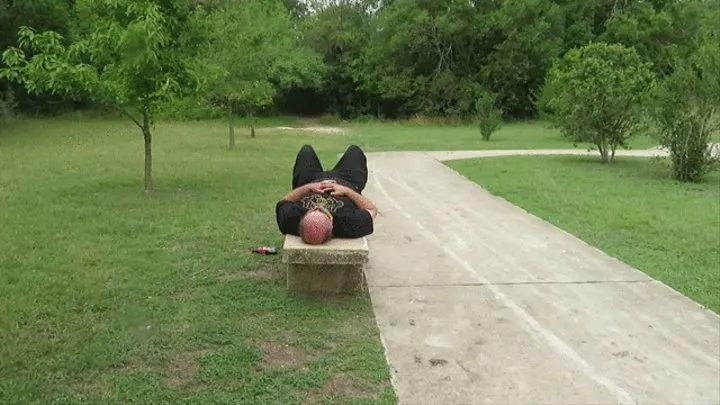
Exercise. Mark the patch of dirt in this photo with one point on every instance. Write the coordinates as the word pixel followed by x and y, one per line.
pixel 135 365
pixel 320 129
pixel 182 371
pixel 277 355
pixel 181 292
pixel 98 387
pixel 339 385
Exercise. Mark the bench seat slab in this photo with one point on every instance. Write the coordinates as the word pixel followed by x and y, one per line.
pixel 333 267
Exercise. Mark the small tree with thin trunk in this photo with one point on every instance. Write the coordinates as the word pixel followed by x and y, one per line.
pixel 254 49
pixel 131 55
pixel 596 94
pixel 488 116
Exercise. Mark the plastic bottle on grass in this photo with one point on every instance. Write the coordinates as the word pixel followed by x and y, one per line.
pixel 265 250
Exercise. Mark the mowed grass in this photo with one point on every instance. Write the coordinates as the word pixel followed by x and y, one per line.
pixel 408 136
pixel 630 210
pixel 114 297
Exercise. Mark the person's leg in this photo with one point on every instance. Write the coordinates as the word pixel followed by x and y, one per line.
pixel 352 167
pixel 307 166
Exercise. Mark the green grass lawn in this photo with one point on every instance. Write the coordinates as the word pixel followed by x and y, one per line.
pixel 521 135
pixel 113 297
pixel 630 210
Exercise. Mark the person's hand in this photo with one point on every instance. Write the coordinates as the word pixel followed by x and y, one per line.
pixel 327 184
pixel 321 186
pixel 338 190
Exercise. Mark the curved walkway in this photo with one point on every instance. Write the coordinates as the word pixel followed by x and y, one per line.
pixel 480 302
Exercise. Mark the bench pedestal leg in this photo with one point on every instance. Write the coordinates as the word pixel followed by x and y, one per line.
pixel 327 278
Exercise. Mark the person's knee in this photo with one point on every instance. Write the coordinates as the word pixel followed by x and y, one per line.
pixel 307 148
pixel 355 150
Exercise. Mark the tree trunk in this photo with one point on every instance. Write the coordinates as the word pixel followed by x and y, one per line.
pixel 612 152
pixel 252 126
pixel 603 152
pixel 148 151
pixel 231 141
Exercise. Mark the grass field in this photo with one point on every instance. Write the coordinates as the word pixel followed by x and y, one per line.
pixel 114 297
pixel 522 135
pixel 630 210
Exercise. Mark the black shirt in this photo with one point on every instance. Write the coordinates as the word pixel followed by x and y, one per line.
pixel 348 220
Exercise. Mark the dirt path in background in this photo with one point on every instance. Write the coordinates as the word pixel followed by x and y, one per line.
pixel 479 302
pixel 313 125
pixel 318 129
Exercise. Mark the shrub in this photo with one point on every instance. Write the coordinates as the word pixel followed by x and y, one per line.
pixel 489 118
pixel 596 94
pixel 687 112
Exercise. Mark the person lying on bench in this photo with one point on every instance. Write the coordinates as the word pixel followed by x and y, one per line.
pixel 326 204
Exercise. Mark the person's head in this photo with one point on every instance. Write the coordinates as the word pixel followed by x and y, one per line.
pixel 316 226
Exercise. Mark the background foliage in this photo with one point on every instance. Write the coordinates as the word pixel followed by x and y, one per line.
pixel 392 58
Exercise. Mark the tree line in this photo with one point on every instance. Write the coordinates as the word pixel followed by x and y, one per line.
pixel 589 66
pixel 393 58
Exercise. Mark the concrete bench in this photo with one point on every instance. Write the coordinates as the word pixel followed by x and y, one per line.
pixel 334 267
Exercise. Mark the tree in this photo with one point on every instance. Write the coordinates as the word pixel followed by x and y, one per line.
pixel 529 39
pixel 338 31
pixel 253 50
pixel 489 117
pixel 687 111
pixel 430 57
pixel 130 55
pixel 659 31
pixel 596 94
pixel 418 55
pixel 7 108
pixel 55 15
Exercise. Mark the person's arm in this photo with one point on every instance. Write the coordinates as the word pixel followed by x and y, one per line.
pixel 304 190
pixel 360 200
pixel 298 193
pixel 288 215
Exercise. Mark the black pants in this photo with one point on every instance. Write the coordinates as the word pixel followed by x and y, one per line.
pixel 351 170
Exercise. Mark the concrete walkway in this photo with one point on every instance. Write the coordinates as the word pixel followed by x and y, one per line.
pixel 479 302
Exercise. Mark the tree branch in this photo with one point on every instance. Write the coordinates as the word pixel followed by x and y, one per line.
pixel 127 114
